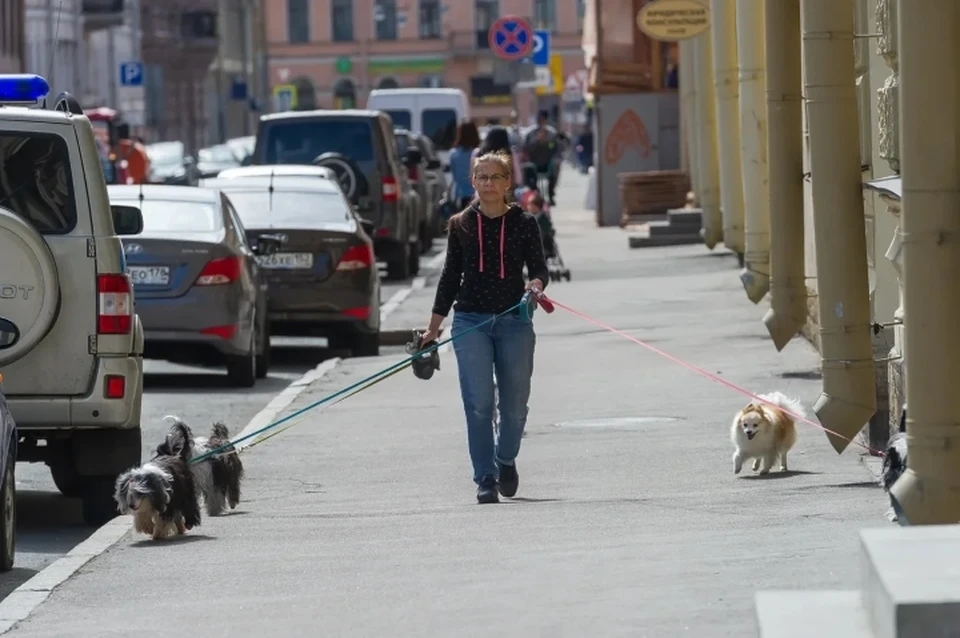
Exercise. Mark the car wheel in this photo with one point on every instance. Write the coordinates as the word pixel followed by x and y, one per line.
pixel 414 257
pixel 8 514
pixel 366 345
pixel 66 477
pixel 399 267
pixel 99 507
pixel 242 368
pixel 263 356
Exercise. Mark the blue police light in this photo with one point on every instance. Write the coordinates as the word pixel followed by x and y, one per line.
pixel 23 89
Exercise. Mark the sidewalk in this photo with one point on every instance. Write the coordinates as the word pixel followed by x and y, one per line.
pixel 362 521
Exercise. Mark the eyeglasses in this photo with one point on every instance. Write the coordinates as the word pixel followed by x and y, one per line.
pixel 496 177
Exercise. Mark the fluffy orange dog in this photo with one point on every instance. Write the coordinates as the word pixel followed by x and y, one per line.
pixel 763 433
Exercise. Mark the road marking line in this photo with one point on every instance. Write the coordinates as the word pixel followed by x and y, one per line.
pixel 399 297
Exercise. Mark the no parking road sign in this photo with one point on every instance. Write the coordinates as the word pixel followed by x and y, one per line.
pixel 511 38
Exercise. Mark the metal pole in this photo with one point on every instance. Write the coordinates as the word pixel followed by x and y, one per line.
pixel 51 48
pixel 112 70
pixel 246 43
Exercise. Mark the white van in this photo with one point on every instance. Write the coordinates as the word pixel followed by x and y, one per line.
pixel 431 112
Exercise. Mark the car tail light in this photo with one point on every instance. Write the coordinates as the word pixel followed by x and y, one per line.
pixel 219 271
pixel 391 190
pixel 224 332
pixel 363 312
pixel 356 258
pixel 115 305
pixel 413 172
pixel 115 386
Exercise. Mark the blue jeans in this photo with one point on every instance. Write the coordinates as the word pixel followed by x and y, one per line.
pixel 505 347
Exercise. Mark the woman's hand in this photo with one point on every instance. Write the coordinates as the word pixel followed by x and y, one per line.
pixel 535 283
pixel 432 333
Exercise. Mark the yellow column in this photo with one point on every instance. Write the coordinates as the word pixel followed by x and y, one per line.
pixel 724 33
pixel 929 492
pixel 753 148
pixel 707 153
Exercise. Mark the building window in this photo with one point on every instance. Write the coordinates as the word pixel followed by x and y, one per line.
pixel 385 17
pixel 486 13
pixel 298 21
pixel 545 14
pixel 341 20
pixel 430 24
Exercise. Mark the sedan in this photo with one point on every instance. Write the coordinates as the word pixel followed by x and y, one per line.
pixel 170 164
pixel 323 280
pixel 197 286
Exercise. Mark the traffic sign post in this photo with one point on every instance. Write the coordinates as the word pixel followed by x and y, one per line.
pixel 131 74
pixel 511 38
pixel 285 97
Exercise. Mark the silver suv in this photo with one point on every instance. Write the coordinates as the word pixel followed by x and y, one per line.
pixel 71 347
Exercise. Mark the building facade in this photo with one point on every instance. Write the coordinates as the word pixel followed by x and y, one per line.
pixel 112 42
pixel 336 51
pixel 12 41
pixel 54 43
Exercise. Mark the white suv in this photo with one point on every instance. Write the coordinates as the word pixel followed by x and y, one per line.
pixel 71 348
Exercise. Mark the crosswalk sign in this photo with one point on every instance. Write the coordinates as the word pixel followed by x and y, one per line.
pixel 285 97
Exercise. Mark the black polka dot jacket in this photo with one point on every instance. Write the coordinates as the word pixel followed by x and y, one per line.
pixel 483 271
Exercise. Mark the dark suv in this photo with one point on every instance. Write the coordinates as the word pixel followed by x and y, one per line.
pixel 360 147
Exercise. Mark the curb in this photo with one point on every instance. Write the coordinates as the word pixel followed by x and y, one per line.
pixel 24 600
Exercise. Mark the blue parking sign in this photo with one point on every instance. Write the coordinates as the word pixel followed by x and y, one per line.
pixel 131 74
pixel 540 56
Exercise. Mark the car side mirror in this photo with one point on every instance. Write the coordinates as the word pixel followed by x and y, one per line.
pixel 368 226
pixel 433 165
pixel 127 220
pixel 267 245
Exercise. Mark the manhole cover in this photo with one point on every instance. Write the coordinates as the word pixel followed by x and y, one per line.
pixel 616 422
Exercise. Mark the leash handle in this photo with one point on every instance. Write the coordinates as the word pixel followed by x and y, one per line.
pixel 542 300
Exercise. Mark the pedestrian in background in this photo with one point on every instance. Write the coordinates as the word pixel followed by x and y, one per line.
pixel 461 158
pixel 488 246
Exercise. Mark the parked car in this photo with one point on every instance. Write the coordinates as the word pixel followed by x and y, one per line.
pixel 71 354
pixel 296 170
pixel 214 159
pixel 242 147
pixel 8 463
pixel 323 280
pixel 200 293
pixel 359 146
pixel 431 169
pixel 170 164
pixel 408 147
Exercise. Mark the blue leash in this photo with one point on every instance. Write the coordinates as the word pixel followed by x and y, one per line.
pixel 526 307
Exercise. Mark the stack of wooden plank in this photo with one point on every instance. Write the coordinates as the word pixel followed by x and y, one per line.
pixel 649 195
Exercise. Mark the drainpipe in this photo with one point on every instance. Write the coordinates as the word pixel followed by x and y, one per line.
pixel 788 288
pixel 707 152
pixel 688 97
pixel 928 493
pixel 724 33
pixel 849 397
pixel 753 148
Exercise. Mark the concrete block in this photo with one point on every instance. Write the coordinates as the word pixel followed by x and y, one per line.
pixel 665 229
pixel 805 614
pixel 641 241
pixel 911 581
pixel 685 217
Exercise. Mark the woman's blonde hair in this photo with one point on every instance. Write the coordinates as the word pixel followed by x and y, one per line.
pixel 500 157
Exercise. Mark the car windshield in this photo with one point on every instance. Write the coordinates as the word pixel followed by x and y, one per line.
pixel 297 209
pixel 302 141
pixel 165 153
pixel 401 118
pixel 35 181
pixel 440 125
pixel 173 216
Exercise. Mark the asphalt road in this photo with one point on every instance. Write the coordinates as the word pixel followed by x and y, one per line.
pixel 49 525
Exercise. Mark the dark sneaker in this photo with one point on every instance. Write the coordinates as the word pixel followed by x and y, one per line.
pixel 509 480
pixel 487 491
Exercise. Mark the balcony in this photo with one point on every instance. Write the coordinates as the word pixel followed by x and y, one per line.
pixel 102 14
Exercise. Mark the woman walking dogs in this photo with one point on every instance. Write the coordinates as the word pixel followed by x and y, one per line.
pixel 488 245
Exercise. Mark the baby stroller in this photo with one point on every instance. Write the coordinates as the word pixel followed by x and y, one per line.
pixel 551 251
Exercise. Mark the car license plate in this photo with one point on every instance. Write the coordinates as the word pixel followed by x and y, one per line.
pixel 287 261
pixel 149 275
